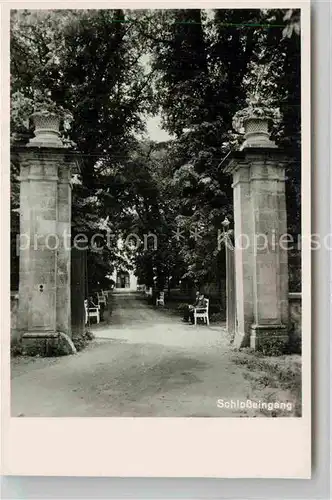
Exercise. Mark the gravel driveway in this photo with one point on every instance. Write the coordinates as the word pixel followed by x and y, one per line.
pixel 143 363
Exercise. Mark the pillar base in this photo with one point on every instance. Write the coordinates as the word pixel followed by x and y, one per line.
pixel 42 341
pixel 274 337
pixel 241 339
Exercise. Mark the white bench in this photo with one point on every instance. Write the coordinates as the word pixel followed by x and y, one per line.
pixel 161 299
pixel 202 312
pixel 91 312
pixel 102 298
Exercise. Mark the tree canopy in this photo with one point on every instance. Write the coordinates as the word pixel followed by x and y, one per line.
pixel 110 69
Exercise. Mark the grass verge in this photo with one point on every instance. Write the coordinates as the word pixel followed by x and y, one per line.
pixel 273 379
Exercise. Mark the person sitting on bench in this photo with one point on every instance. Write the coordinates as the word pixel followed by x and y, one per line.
pixel 90 302
pixel 189 310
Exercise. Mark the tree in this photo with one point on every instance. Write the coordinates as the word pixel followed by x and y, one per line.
pixel 109 68
pixel 201 63
pixel 283 52
pixel 207 66
pixel 88 62
pixel 152 216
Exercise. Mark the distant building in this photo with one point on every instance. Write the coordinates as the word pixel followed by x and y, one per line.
pixel 123 276
pixel 125 279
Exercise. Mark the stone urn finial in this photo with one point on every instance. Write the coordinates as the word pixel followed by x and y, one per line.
pixel 257 132
pixel 254 121
pixel 47 125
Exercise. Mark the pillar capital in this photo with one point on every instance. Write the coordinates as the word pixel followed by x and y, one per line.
pixel 244 158
pixel 47 161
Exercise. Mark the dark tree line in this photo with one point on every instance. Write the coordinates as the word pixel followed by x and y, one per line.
pixel 109 69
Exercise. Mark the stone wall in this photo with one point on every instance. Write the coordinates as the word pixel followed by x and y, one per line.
pixel 295 315
pixel 13 317
pixel 294 270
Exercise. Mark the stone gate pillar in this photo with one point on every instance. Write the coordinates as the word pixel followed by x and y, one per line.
pixel 260 250
pixel 45 228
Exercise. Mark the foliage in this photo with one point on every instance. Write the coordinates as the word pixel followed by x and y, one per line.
pixel 230 64
pixel 201 63
pixel 89 63
pixel 293 23
pixel 109 69
pixel 83 340
pixel 16 349
pixel 294 345
pixel 273 347
pixel 284 55
pixel 255 111
pixel 282 372
pixel 217 317
pixel 22 108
